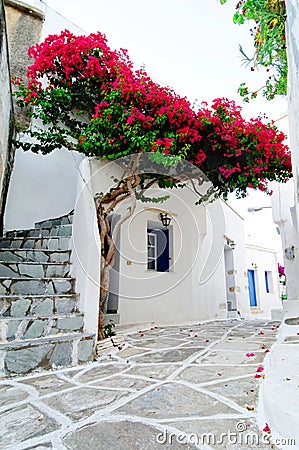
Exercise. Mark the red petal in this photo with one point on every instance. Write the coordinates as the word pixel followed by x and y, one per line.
pixel 267 429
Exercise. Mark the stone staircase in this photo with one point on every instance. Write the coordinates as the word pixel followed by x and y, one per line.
pixel 40 322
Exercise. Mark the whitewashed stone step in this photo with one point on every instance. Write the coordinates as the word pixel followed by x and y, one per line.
pixel 52 243
pixel 38 305
pixel 36 286
pixel 61 230
pixel 45 256
pixel 63 220
pixel 34 270
pixel 23 357
pixel 13 328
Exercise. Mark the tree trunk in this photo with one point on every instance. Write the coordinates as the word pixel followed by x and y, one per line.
pixel 108 243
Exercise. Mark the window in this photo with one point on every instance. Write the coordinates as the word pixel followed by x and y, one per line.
pixel 151 250
pixel 158 249
pixel 268 282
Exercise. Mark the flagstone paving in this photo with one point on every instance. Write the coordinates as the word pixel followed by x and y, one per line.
pixel 169 388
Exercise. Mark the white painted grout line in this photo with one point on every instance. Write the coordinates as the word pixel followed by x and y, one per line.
pixel 220 398
pixel 197 355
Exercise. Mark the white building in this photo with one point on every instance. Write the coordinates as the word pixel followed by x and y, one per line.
pixel 263 282
pixel 199 274
pixel 285 214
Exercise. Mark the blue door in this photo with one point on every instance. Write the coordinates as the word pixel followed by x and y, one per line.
pixel 252 290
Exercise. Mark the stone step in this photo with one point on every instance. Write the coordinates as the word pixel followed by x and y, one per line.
pixel 52 243
pixel 34 270
pixel 44 256
pixel 31 327
pixel 22 357
pixel 38 305
pixel 36 286
pixel 61 230
pixel 63 220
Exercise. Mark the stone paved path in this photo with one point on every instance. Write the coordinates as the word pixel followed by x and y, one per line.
pixel 166 383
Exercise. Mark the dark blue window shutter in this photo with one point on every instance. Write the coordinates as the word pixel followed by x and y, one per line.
pixel 162 249
pixel 267 282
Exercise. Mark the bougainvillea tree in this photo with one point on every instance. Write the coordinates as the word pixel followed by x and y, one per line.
pixel 90 99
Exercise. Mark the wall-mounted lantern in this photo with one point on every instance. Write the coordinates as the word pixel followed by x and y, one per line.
pixel 165 219
pixel 230 243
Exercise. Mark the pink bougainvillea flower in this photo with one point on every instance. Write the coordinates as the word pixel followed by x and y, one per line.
pixel 257 376
pixel 249 355
pixel 128 103
pixel 260 369
pixel 267 429
pixel 267 351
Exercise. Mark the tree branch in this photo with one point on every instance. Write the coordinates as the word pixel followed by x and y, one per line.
pixel 111 252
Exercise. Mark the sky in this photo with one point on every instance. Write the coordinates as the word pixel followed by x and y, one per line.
pixel 192 46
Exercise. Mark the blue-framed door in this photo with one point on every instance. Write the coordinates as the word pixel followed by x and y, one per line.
pixel 252 289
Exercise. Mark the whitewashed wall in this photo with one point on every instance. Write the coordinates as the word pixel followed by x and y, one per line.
pixel 260 260
pixel 235 231
pixel 85 256
pixel 285 213
pixel 195 288
pixel 291 306
pixel 43 186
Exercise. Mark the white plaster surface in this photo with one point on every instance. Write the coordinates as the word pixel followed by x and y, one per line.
pixel 263 260
pixel 86 249
pixel 195 287
pixel 279 394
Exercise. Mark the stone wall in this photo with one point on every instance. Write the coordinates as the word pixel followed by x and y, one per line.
pixel 6 117
pixel 24 24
